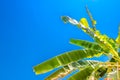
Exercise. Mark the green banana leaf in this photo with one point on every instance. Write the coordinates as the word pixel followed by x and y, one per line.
pixel 95 70
pixel 65 70
pixel 64 59
pixel 85 44
pixel 83 74
pixel 60 73
pixel 99 73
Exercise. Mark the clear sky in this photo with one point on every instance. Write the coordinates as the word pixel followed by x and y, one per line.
pixel 31 31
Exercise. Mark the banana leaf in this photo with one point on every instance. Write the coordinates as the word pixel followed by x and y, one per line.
pixel 97 71
pixel 65 70
pixel 60 73
pixel 85 44
pixel 64 59
pixel 83 74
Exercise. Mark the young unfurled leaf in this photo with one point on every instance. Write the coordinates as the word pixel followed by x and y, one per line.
pixel 84 22
pixel 94 22
pixel 91 18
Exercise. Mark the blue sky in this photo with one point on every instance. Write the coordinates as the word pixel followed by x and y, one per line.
pixel 31 31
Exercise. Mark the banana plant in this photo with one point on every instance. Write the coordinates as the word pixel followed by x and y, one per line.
pixel 76 60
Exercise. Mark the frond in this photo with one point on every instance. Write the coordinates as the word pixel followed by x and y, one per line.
pixel 85 44
pixel 95 71
pixel 64 59
pixel 60 73
pixel 83 74
pixel 91 18
pixel 65 70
